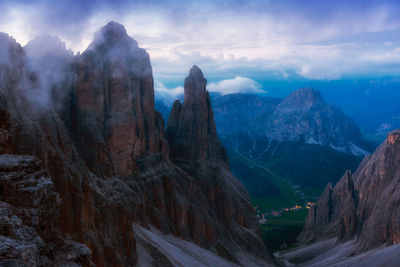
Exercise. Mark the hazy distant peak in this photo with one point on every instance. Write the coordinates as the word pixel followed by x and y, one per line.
pixel 304 97
pixel 306 92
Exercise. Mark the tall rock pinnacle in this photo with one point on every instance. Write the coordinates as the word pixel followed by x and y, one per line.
pixel 191 128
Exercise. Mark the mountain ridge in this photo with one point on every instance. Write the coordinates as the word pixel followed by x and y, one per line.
pixel 367 202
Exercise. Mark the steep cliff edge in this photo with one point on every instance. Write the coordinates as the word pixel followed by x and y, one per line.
pixel 363 205
pixel 105 153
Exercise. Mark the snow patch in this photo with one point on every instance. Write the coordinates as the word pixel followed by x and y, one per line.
pixel 312 141
pixel 351 149
pixel 356 150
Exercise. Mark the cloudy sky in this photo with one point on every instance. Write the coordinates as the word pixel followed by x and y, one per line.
pixel 234 42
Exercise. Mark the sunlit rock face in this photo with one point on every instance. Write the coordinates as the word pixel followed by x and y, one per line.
pixel 363 205
pixel 115 118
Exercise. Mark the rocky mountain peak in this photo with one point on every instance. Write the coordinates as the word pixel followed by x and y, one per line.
pixel 307 92
pixel 393 137
pixel 195 71
pixel 114 31
pixel 191 128
pixel 303 98
pixel 112 35
pixel 195 86
pixel 305 116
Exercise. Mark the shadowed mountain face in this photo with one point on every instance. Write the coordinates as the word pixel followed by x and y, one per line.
pixel 237 114
pixel 363 205
pixel 108 165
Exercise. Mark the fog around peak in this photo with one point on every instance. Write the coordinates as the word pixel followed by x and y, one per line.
pixel 308 39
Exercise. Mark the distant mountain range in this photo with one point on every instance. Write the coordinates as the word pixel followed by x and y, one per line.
pixel 303 116
pixel 301 138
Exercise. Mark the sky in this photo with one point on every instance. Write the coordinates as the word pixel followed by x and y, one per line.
pixel 238 44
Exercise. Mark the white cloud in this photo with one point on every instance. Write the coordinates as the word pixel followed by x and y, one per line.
pixel 224 87
pixel 236 85
pixel 165 94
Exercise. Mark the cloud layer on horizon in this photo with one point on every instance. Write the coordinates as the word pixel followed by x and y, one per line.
pixel 236 85
pixel 229 86
pixel 312 39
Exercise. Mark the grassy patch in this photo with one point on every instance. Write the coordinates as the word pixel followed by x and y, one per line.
pixel 257 181
pixel 267 191
pixel 283 230
pixel 313 192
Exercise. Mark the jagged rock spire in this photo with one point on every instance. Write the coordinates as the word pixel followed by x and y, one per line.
pixel 363 205
pixel 191 128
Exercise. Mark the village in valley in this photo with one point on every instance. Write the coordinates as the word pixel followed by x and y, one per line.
pixel 262 218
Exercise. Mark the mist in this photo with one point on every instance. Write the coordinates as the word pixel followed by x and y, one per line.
pixel 314 41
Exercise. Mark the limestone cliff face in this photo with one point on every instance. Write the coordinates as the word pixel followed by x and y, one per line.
pixel 191 128
pixel 115 120
pixel 105 157
pixel 363 205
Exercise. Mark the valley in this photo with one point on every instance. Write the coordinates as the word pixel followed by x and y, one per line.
pixel 282 175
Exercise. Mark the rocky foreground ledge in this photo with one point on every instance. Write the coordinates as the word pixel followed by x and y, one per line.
pixel 29 214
